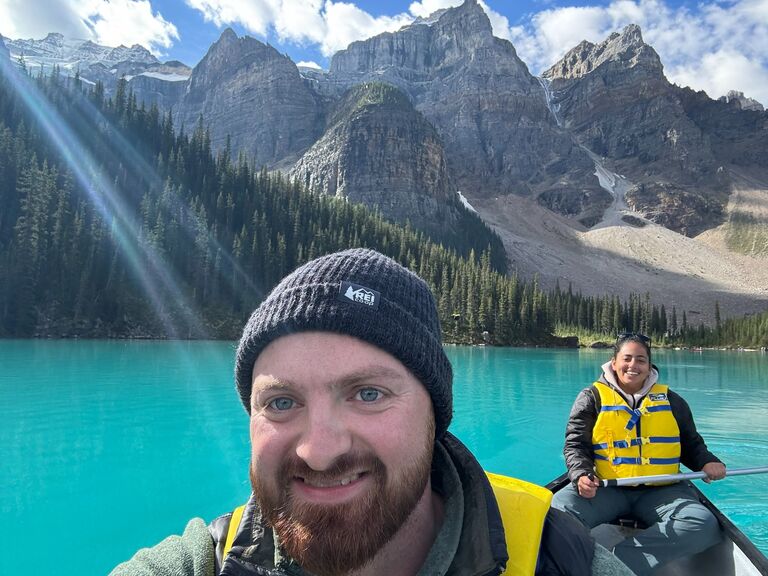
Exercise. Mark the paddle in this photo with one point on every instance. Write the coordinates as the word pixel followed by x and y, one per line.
pixel 634 481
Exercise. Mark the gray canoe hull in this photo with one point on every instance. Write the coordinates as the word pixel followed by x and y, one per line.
pixel 736 555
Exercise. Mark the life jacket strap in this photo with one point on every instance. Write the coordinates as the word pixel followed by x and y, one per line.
pixel 636 441
pixel 638 461
pixel 234 524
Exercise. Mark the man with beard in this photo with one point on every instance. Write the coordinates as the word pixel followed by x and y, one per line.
pixel 353 472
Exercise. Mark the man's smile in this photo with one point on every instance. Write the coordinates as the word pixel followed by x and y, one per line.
pixel 330 490
pixel 330 483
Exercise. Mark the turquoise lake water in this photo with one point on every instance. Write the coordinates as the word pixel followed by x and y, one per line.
pixel 109 446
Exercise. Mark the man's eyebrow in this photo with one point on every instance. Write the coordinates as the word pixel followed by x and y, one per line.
pixel 269 382
pixel 369 373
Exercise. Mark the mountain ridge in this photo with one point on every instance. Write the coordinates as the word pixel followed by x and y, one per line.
pixel 606 146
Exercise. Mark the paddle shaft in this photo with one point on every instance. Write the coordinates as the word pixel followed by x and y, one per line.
pixel 634 481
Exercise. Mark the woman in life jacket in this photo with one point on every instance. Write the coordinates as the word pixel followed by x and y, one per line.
pixel 628 424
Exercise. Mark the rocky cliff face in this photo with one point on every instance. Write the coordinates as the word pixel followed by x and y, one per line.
pixel 247 90
pixel 738 133
pixel 614 98
pixel 491 113
pixel 378 150
pixel 162 88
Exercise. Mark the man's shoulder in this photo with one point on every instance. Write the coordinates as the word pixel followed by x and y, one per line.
pixel 190 554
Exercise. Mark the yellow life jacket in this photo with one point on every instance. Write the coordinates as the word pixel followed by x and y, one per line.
pixel 523 508
pixel 639 442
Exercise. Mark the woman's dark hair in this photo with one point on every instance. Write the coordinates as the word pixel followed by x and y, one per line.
pixel 625 337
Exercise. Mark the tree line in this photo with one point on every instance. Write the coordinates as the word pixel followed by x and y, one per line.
pixel 115 223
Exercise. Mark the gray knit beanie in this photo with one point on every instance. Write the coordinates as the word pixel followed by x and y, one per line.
pixel 363 294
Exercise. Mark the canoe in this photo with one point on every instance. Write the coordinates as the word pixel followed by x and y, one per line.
pixel 736 555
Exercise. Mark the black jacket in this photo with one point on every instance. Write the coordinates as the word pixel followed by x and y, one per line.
pixel 579 456
pixel 566 548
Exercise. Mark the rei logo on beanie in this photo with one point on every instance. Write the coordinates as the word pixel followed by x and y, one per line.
pixel 359 294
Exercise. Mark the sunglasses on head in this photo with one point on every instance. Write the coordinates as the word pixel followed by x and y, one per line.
pixel 628 335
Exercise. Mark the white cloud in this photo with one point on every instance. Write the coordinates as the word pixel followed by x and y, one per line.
pixel 36 18
pixel 717 47
pixel 130 22
pixel 426 7
pixel 330 25
pixel 348 23
pixel 108 22
pixel 309 64
pixel 719 72
pixel 255 15
pixel 300 20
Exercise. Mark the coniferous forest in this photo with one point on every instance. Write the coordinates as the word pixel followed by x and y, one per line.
pixel 116 223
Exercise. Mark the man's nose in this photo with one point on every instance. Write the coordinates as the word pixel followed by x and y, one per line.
pixel 324 439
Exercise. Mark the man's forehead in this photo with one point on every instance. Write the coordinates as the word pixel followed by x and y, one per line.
pixel 328 351
pixel 284 379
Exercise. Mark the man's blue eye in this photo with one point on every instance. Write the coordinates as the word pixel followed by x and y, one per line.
pixel 281 404
pixel 369 394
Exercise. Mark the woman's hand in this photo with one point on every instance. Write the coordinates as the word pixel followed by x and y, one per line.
pixel 587 486
pixel 714 471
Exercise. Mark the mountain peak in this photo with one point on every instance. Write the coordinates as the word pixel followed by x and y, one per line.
pixel 738 99
pixel 625 49
pixel 449 36
pixel 470 15
pixel 631 37
pixel 230 50
pixel 228 36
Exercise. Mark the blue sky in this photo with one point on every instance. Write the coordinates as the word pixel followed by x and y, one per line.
pixel 715 46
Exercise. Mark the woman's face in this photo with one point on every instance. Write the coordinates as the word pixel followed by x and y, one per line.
pixel 632 366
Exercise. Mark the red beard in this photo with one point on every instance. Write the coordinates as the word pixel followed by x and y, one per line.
pixel 332 540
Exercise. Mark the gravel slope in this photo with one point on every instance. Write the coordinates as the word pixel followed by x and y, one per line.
pixel 616 258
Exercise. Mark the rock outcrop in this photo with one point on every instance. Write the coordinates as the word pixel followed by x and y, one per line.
pixel 743 102
pixel 163 88
pixel 737 135
pixel 250 92
pixel 491 113
pixel 379 151
pixel 614 98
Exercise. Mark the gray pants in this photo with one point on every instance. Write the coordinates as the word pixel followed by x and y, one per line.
pixel 678 524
